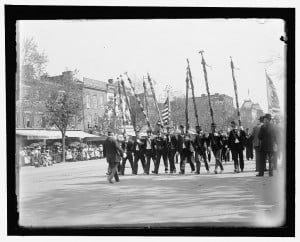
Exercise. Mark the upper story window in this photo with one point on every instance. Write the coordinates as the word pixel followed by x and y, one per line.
pixel 94 101
pixel 88 101
pixel 101 101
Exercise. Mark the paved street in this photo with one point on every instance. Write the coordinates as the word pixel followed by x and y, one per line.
pixel 77 193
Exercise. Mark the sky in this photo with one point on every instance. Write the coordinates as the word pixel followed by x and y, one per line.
pixel 104 49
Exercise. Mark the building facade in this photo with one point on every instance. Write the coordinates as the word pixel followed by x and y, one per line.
pixel 250 113
pixel 222 106
pixel 94 101
pixel 30 104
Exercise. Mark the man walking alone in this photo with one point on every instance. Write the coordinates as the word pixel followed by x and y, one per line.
pixel 113 153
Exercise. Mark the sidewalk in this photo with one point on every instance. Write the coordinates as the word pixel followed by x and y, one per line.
pixel 78 193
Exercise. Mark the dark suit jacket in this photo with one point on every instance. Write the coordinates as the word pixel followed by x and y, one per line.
pixel 267 137
pixel 215 142
pixel 199 142
pixel 241 138
pixel 173 143
pixel 128 146
pixel 140 145
pixel 160 144
pixel 152 144
pixel 112 150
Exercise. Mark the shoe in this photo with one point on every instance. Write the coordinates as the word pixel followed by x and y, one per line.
pixel 117 180
pixel 152 171
pixel 242 170
pixel 109 180
pixel 166 171
pixel 171 172
pixel 235 171
pixel 216 172
pixel 197 173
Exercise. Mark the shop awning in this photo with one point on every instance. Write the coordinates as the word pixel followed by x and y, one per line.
pixel 32 134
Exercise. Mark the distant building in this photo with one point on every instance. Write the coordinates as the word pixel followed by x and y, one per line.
pixel 30 105
pixel 250 112
pixel 222 105
pixel 94 101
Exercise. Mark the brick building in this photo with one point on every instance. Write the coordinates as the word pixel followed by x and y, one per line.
pixel 94 101
pixel 30 103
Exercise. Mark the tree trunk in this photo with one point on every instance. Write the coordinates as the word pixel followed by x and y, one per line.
pixel 63 147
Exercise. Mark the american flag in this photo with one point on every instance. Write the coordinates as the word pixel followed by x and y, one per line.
pixel 166 114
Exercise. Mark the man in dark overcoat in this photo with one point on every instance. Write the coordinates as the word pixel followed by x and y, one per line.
pixel 236 143
pixel 113 153
pixel 268 141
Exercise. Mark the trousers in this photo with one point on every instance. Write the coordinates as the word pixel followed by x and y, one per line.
pixel 164 155
pixel 171 158
pixel 113 167
pixel 198 155
pixel 238 158
pixel 137 157
pixel 217 154
pixel 130 159
pixel 186 156
pixel 149 155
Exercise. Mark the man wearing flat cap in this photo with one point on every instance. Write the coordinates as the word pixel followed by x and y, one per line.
pixel 268 141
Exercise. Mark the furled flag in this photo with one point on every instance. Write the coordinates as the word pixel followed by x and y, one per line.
pixel 273 101
pixel 166 113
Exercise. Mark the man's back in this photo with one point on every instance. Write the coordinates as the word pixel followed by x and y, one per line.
pixel 111 149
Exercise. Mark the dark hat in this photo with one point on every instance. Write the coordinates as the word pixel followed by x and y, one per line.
pixel 268 116
pixel 261 118
pixel 198 127
pixel 233 122
pixel 213 125
pixel 181 126
pixel 149 131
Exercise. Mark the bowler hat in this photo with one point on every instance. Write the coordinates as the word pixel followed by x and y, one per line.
pixel 233 122
pixel 213 125
pixel 268 116
pixel 261 118
pixel 181 126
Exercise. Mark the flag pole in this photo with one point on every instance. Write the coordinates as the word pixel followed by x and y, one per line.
pixel 128 104
pixel 207 87
pixel 235 91
pixel 145 94
pixel 139 101
pixel 121 106
pixel 193 91
pixel 155 100
pixel 187 103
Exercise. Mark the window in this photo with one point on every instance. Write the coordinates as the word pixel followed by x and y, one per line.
pixel 89 121
pixel 101 101
pixel 88 101
pixel 94 101
pixel 95 119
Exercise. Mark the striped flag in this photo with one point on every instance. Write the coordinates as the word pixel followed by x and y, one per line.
pixel 166 114
pixel 273 101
